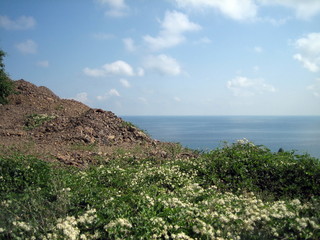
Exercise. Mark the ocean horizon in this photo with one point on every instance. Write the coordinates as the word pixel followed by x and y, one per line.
pixel 298 133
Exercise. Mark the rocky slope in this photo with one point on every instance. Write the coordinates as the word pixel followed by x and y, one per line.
pixel 38 122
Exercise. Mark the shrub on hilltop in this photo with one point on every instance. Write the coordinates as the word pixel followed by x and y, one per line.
pixel 6 85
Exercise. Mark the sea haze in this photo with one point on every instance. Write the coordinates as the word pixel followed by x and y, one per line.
pixel 300 133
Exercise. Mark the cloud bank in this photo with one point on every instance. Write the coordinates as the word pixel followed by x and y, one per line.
pixel 245 87
pixel 235 9
pixel 173 27
pixel 309 51
pixel 315 88
pixel 304 9
pixel 27 47
pixel 111 93
pixel 82 97
pixel 116 68
pixel 117 8
pixel 22 23
pixel 248 9
pixel 163 64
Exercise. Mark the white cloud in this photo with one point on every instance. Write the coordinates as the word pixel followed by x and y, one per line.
pixel 125 83
pixel 245 87
pixel 101 98
pixel 129 44
pixel 119 68
pixel 248 9
pixel 116 68
pixel 27 47
pixel 307 63
pixel 82 97
pixel 111 93
pixel 114 92
pixel 304 9
pixel 173 27
pixel 315 88
pixel 140 72
pixel 309 48
pixel 118 8
pixel 177 22
pixel 114 3
pixel 258 49
pixel 22 23
pixel 44 63
pixel 163 41
pixel 273 21
pixel 163 64
pixel 94 72
pixel 235 9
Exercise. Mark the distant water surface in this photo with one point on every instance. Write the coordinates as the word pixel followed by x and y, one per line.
pixel 300 133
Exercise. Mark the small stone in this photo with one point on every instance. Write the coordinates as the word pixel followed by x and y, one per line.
pixel 111 137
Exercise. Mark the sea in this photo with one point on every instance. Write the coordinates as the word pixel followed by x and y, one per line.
pixel 205 133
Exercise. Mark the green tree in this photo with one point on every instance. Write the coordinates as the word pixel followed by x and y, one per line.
pixel 6 84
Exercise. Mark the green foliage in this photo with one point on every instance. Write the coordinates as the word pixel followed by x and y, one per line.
pixel 21 173
pixel 84 147
pixel 131 126
pixel 31 196
pixel 126 124
pixel 216 196
pixel 59 107
pixel 6 85
pixel 244 165
pixel 35 120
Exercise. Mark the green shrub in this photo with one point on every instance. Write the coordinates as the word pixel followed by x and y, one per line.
pixel 20 173
pixel 32 196
pixel 35 120
pixel 6 85
pixel 246 166
pixel 216 196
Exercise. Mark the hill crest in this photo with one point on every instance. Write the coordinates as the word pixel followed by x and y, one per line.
pixel 36 121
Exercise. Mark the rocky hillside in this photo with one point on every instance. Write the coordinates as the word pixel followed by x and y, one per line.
pixel 38 122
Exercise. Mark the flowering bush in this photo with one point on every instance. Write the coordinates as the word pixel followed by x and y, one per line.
pixel 240 191
pixel 255 168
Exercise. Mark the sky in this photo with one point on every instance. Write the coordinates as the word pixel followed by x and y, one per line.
pixel 169 57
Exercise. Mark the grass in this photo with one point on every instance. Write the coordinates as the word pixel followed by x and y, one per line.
pixel 35 120
pixel 130 125
pixel 84 147
pixel 239 191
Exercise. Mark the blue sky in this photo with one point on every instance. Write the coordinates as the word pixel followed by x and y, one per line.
pixel 169 57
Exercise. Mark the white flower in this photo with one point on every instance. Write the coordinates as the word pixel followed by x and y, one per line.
pixel 23 225
pixel 296 202
pixel 181 235
pixel 88 217
pixel 69 227
pixel 122 222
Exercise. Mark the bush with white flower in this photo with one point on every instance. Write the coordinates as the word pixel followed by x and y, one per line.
pixel 240 191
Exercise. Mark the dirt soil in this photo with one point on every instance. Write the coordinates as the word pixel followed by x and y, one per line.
pixel 38 122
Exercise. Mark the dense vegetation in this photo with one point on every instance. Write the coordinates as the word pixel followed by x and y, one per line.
pixel 6 85
pixel 239 191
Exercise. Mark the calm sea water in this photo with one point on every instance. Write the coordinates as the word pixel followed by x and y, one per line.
pixel 208 132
